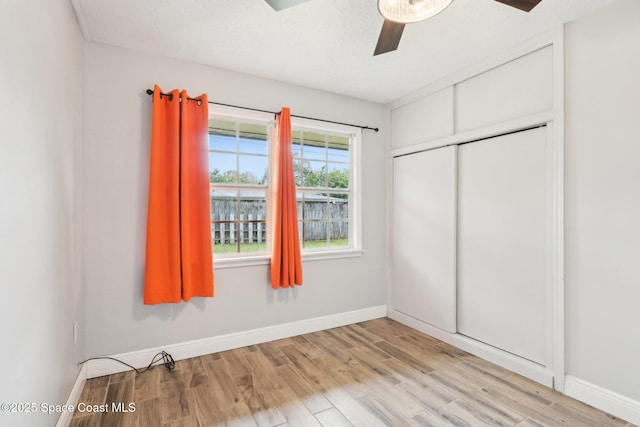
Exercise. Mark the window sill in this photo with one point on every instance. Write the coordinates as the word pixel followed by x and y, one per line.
pixel 337 254
pixel 250 261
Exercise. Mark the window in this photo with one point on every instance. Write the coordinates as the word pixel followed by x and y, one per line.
pixel 240 163
pixel 322 167
pixel 238 173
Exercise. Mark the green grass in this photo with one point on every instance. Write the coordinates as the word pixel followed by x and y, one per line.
pixel 323 243
pixel 229 248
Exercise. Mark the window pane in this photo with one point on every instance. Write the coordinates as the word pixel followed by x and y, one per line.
pixel 253 170
pixel 222 168
pixel 315 215
pixel 224 204
pixel 224 231
pixel 314 147
pixel 315 207
pixel 338 150
pixel 252 146
pixel 222 135
pixel 338 206
pixel 253 205
pixel 253 138
pixel 222 143
pixel 254 246
pixel 222 126
pixel 297 171
pixel 315 234
pixel 338 175
pixel 252 225
pixel 296 142
pixel 299 198
pixel 339 233
pixel 314 174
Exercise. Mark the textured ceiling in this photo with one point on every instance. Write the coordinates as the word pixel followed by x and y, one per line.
pixel 323 44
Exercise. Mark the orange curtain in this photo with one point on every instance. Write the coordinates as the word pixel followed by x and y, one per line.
pixel 286 264
pixel 179 262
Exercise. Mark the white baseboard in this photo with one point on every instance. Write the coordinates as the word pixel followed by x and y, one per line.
pixel 507 360
pixel 185 350
pixel 65 417
pixel 603 399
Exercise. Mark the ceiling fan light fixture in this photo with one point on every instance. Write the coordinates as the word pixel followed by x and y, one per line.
pixel 408 11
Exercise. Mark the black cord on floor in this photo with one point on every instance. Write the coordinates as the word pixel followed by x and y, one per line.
pixel 166 358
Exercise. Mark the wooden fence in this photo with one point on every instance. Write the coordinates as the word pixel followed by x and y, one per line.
pixel 320 216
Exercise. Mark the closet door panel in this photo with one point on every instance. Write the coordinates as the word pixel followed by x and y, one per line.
pixel 422 120
pixel 516 89
pixel 424 236
pixel 503 242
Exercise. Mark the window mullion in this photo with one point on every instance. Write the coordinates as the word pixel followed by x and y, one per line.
pixel 238 226
pixel 327 216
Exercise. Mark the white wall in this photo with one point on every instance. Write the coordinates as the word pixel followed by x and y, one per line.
pixel 603 198
pixel 41 67
pixel 116 179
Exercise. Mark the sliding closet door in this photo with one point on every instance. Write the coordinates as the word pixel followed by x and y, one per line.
pixel 424 236
pixel 504 242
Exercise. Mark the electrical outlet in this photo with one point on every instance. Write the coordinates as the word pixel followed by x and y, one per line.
pixel 75 332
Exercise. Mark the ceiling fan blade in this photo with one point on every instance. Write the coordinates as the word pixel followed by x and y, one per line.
pixel 525 5
pixel 283 4
pixel 389 37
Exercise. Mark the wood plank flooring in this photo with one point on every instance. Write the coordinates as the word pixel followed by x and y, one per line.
pixel 375 373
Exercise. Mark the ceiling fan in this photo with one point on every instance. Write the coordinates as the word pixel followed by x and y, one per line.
pixel 397 13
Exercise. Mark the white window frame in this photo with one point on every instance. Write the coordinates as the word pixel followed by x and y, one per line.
pixel 355 198
pixel 355 223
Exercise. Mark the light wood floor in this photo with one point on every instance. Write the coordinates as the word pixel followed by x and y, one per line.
pixel 369 374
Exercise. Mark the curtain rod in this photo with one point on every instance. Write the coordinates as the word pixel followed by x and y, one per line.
pixel 150 92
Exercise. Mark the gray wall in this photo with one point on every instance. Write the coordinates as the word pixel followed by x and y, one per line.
pixel 603 198
pixel 41 72
pixel 116 180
